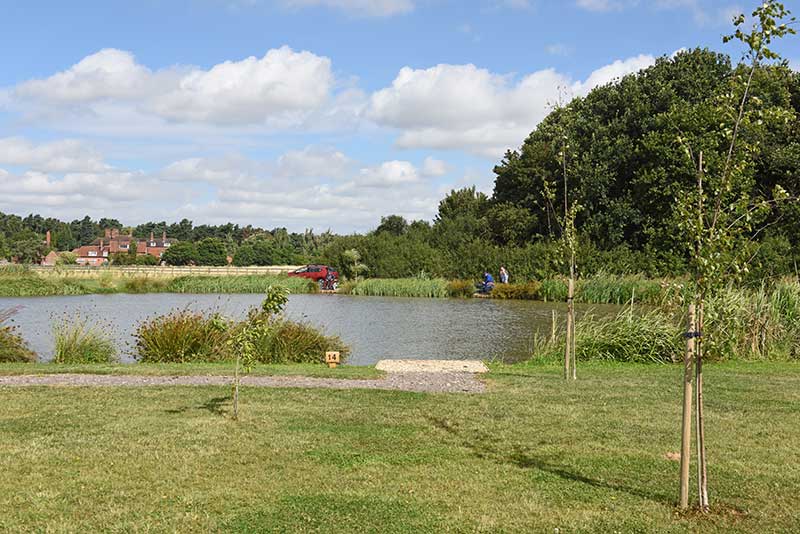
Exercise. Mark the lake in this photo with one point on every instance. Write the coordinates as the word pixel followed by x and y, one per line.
pixel 375 327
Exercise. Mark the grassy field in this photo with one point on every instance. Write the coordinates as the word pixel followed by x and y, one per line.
pixel 534 454
pixel 169 369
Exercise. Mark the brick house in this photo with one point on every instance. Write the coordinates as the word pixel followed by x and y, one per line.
pixel 101 249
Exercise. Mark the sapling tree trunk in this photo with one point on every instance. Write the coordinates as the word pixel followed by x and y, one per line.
pixel 236 387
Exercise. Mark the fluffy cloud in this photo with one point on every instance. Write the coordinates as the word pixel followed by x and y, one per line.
pixel 466 107
pixel 79 192
pixel 434 167
pixel 282 86
pixel 388 174
pixel 295 191
pixel 368 8
pixel 67 155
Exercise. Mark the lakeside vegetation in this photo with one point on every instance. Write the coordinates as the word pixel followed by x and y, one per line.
pixel 12 347
pixel 355 460
pixel 21 282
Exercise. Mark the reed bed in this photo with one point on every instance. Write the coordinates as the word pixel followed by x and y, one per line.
pixel 21 282
pixel 400 287
pixel 651 337
pixel 239 284
pixel 78 341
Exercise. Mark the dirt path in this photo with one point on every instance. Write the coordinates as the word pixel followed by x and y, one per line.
pixel 426 382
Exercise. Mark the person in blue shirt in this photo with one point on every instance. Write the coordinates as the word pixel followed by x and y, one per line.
pixel 488 283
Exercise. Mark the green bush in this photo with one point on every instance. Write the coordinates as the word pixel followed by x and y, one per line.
pixel 183 336
pixel 76 341
pixel 528 291
pixel 12 347
pixel 460 288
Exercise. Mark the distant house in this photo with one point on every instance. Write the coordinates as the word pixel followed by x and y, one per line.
pixel 100 250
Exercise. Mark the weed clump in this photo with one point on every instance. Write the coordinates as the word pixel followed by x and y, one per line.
pixel 12 347
pixel 77 341
pixel 183 336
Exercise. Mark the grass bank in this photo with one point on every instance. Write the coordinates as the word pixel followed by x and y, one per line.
pixel 533 454
pixel 26 283
pixel 175 369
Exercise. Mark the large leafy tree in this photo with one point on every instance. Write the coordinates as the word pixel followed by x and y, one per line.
pixel 628 171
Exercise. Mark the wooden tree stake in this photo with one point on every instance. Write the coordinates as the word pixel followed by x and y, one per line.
pixel 686 422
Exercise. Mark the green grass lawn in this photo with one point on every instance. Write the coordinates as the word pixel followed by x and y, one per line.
pixel 533 454
pixel 169 369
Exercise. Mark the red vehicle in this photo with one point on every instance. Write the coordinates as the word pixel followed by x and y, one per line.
pixel 327 277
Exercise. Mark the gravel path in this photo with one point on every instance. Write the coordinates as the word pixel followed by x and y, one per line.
pixel 426 382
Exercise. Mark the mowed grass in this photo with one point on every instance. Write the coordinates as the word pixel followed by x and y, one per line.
pixel 534 454
pixel 173 369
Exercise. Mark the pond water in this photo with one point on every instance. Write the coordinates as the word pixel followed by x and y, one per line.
pixel 376 328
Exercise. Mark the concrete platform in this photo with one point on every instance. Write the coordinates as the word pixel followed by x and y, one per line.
pixel 432 366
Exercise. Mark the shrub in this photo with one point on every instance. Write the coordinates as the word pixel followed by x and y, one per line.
pixel 183 336
pixel 460 288
pixel 12 347
pixel 77 341
pixel 527 291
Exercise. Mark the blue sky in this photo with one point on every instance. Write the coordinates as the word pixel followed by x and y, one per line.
pixel 301 113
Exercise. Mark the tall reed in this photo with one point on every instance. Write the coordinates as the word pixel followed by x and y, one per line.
pixel 401 287
pixel 78 341
pixel 239 284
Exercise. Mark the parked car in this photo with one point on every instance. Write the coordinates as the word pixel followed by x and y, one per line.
pixel 327 277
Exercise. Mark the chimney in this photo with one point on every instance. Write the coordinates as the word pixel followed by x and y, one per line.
pixel 108 233
pixel 151 236
pixel 164 237
pixel 101 246
pixel 47 238
pixel 114 233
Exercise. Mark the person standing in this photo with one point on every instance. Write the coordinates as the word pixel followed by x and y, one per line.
pixel 503 275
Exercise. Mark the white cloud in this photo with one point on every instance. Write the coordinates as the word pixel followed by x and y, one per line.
pixel 82 191
pixel 388 174
pixel 313 162
pixel 466 107
pixel 283 86
pixel 57 156
pixel 434 167
pixel 364 8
